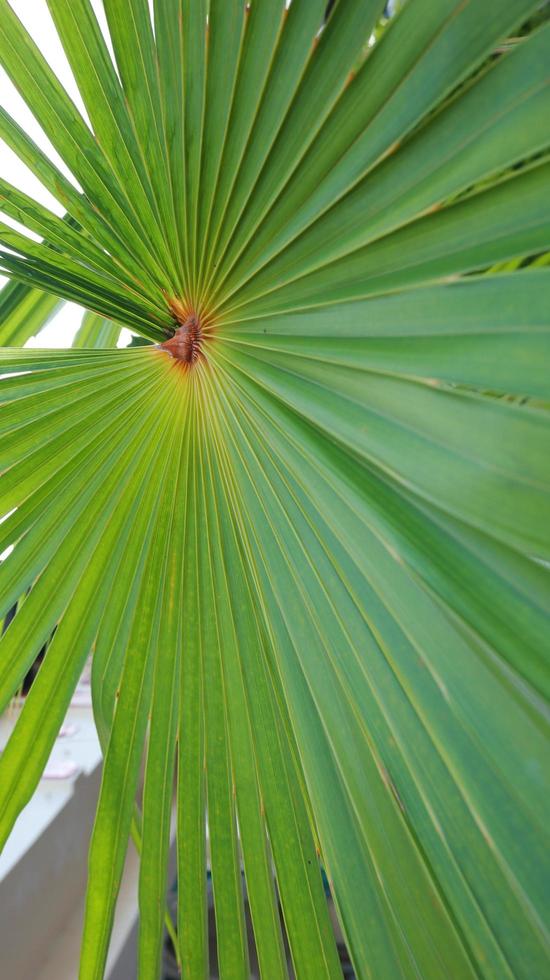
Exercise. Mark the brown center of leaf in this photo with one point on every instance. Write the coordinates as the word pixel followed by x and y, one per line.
pixel 186 344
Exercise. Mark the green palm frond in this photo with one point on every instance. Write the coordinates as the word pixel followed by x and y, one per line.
pixel 308 546
pixel 24 311
pixel 96 331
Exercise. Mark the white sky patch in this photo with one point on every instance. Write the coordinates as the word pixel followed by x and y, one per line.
pixel 7 552
pixel 61 329
pixel 125 337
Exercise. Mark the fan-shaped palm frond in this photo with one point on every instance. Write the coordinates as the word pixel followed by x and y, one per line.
pixel 307 545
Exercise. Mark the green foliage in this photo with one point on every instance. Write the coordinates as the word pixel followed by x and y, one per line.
pixel 24 312
pixel 308 545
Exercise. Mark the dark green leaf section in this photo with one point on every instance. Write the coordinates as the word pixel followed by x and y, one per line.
pixel 503 222
pixel 493 124
pixel 311 562
pixel 398 621
pixel 444 332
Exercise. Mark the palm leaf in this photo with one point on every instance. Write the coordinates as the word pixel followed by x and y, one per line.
pixel 24 312
pixel 303 532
